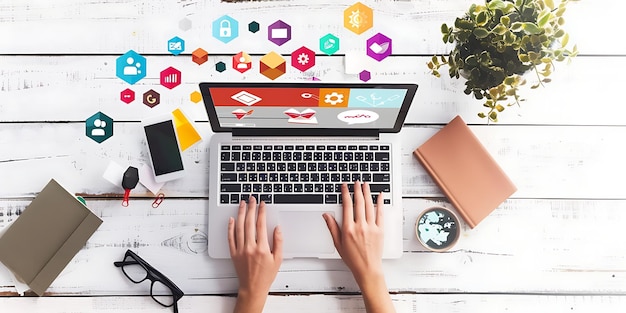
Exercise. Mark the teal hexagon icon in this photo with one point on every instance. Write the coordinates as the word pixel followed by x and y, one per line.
pixel 130 67
pixel 99 127
pixel 329 44
pixel 225 29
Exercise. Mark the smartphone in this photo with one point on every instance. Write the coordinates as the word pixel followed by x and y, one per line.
pixel 163 148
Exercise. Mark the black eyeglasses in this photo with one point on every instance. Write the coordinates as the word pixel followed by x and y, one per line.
pixel 162 290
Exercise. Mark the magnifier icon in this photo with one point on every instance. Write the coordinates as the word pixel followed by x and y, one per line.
pixel 307 95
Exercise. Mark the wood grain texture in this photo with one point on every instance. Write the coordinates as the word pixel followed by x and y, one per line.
pixel 524 246
pixel 112 27
pixel 328 303
pixel 72 88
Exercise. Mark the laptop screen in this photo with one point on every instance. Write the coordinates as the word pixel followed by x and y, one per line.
pixel 285 106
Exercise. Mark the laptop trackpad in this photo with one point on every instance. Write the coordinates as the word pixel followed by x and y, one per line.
pixel 305 234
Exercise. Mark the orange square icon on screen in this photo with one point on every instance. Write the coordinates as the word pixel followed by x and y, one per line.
pixel 272 65
pixel 334 97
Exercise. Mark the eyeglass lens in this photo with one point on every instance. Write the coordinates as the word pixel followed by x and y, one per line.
pixel 162 293
pixel 135 271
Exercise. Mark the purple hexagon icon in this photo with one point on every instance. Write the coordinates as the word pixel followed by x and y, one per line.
pixel 365 76
pixel 279 32
pixel 379 47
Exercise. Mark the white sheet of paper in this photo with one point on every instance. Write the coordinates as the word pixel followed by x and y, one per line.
pixel 114 173
pixel 146 178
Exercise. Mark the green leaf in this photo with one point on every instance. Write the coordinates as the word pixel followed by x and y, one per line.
pixel 564 40
pixel 543 18
pixel 493 116
pixel 496 5
pixel 482 115
pixel 444 28
pixel 505 20
pixel 500 108
pixel 480 32
pixel 517 26
pixel 471 61
pixel 549 4
pixel 481 18
pixel 531 28
pixel 500 29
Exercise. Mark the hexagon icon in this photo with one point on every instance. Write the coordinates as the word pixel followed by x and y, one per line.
pixel 254 27
pixel 195 97
pixel 170 77
pixel 272 65
pixel 220 66
pixel 99 127
pixel 329 44
pixel 303 58
pixel 279 32
pixel 151 98
pixel 130 67
pixel 225 29
pixel 242 62
pixel 176 45
pixel 365 75
pixel 379 47
pixel 358 18
pixel 127 96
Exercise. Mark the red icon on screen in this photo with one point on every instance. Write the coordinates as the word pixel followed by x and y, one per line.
pixel 239 113
pixel 307 116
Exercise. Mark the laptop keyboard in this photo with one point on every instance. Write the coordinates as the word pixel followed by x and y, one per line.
pixel 300 173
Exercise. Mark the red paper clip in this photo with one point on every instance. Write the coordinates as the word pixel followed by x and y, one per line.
pixel 158 200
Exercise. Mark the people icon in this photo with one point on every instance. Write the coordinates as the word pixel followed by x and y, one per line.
pixel 132 69
pixel 242 63
pixel 99 128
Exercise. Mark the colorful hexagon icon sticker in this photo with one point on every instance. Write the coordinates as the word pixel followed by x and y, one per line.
pixel 170 77
pixel 151 98
pixel 242 62
pixel 365 76
pixel 329 44
pixel 130 67
pixel 279 32
pixel 199 56
pixel 358 18
pixel 99 127
pixel 379 47
pixel 225 29
pixel 254 27
pixel 220 66
pixel 127 96
pixel 176 45
pixel 195 97
pixel 272 65
pixel 303 58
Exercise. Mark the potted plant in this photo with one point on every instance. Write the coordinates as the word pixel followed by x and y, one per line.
pixel 497 42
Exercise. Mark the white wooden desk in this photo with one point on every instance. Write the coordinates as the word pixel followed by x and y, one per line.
pixel 555 246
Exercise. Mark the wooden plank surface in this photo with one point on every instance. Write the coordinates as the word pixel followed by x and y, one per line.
pixel 72 88
pixel 327 303
pixel 112 27
pixel 525 246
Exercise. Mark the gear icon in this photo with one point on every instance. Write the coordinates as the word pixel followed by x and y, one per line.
pixel 303 58
pixel 333 98
pixel 357 19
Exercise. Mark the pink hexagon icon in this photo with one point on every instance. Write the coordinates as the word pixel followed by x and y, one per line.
pixel 379 47
pixel 303 58
pixel 365 75
pixel 170 77
pixel 127 96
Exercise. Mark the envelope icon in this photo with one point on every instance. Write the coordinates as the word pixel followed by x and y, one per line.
pixel 305 117
pixel 272 65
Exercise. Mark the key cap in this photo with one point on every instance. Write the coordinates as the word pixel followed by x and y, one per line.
pixel 228 177
pixel 298 198
pixel 228 167
pixel 230 188
pixel 381 156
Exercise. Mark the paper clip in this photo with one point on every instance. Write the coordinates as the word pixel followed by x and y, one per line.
pixel 158 200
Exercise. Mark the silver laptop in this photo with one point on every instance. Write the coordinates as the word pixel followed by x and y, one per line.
pixel 292 145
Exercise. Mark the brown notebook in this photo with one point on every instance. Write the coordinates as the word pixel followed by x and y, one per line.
pixel 464 170
pixel 46 236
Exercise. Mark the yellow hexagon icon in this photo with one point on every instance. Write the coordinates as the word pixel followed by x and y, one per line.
pixel 358 18
pixel 195 97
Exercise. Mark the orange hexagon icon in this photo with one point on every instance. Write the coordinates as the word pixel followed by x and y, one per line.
pixel 358 18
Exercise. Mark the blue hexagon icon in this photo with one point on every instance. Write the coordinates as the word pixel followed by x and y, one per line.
pixel 225 29
pixel 99 127
pixel 176 45
pixel 130 67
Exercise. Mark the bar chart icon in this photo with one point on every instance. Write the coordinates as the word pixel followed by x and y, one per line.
pixel 170 77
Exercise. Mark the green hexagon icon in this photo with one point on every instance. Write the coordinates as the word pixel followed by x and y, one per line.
pixel 329 44
pixel 99 127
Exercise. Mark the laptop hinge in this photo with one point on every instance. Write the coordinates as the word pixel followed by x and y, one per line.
pixel 301 132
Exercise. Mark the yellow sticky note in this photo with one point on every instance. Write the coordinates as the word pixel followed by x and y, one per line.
pixel 187 134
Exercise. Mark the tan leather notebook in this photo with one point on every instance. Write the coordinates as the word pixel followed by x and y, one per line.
pixel 465 171
pixel 46 236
